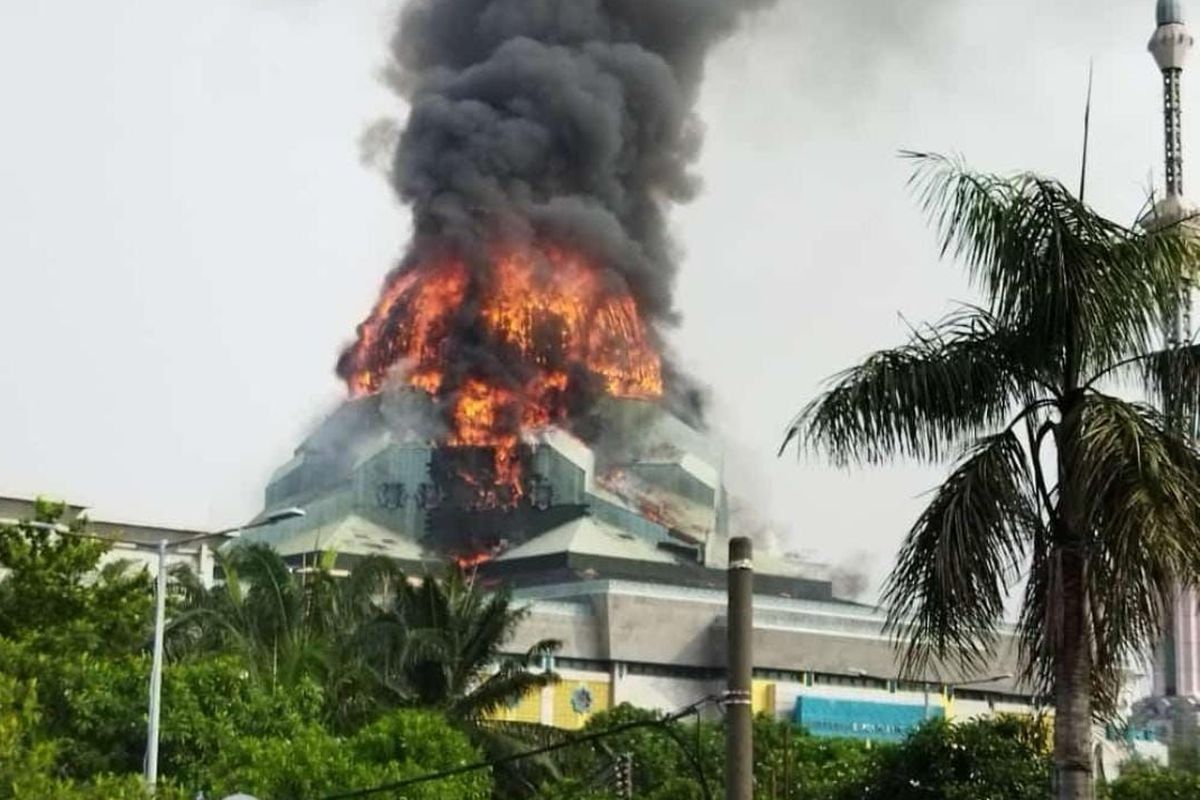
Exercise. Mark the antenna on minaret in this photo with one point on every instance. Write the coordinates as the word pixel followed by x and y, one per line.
pixel 1087 132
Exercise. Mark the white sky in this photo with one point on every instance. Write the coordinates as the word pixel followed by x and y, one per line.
pixel 187 237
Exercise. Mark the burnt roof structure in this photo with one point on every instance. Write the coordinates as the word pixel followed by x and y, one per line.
pixel 645 501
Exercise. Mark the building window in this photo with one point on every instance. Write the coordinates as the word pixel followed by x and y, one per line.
pixel 582 664
pixel 781 675
pixel 859 681
pixel 672 671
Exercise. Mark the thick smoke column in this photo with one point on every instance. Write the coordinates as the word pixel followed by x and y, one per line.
pixel 571 119
pixel 546 141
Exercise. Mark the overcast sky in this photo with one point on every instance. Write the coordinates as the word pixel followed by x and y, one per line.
pixel 187 237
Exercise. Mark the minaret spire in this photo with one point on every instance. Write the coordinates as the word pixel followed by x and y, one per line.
pixel 1177 673
pixel 1170 45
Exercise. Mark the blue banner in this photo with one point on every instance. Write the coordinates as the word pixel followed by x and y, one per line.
pixel 861 719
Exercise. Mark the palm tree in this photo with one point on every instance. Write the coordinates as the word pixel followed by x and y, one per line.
pixel 290 627
pixel 373 639
pixel 442 644
pixel 1095 498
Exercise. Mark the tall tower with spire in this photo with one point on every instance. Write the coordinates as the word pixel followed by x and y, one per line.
pixel 1177 671
pixel 1170 46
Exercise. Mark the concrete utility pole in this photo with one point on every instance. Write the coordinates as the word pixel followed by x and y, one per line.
pixel 739 733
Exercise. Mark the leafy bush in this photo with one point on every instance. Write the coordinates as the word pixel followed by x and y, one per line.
pixel 312 763
pixel 1146 781
pixel 998 758
pixel 27 768
pixel 816 768
pixel 668 760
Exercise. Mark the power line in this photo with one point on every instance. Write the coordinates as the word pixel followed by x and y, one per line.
pixel 573 742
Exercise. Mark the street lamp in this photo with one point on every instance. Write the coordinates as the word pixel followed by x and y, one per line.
pixel 160 610
pixel 160 606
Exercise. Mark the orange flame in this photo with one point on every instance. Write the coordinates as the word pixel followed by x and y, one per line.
pixel 472 561
pixel 548 313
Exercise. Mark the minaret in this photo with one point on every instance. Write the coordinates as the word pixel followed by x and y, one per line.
pixel 1170 46
pixel 1177 671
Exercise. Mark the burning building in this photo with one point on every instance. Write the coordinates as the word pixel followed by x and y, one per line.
pixel 540 507
pixel 511 404
pixel 511 381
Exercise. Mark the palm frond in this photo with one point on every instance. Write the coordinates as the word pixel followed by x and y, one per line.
pixel 945 597
pixel 1171 377
pixel 1082 285
pixel 951 382
pixel 499 740
pixel 372 582
pixel 509 683
pixel 1141 481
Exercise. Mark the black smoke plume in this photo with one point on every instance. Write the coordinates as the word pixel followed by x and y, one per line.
pixel 570 121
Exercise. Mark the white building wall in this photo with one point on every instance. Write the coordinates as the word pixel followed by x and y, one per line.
pixel 662 693
pixel 200 560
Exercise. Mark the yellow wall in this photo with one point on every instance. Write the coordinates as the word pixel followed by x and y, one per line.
pixel 528 709
pixel 565 716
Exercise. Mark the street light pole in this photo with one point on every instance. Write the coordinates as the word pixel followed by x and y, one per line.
pixel 160 621
pixel 160 610
pixel 160 613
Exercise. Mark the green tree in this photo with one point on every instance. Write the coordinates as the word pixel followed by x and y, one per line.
pixel 373 641
pixel 793 765
pixel 28 768
pixel 670 760
pixel 1144 781
pixel 290 629
pixel 76 625
pixel 1099 498
pixel 28 762
pixel 57 595
pixel 210 702
pixel 1003 758
pixel 311 763
pixel 667 757
pixel 441 644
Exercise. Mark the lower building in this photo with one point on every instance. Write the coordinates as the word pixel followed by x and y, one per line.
pixel 822 662
pixel 134 543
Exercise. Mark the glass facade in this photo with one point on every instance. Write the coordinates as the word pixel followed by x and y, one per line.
pixel 861 719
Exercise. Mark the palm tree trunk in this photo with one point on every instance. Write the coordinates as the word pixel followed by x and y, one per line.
pixel 1069 603
pixel 1072 700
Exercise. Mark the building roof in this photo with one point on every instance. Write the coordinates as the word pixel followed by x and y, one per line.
pixel 589 536
pixel 1169 11
pixel 352 534
pixel 130 532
